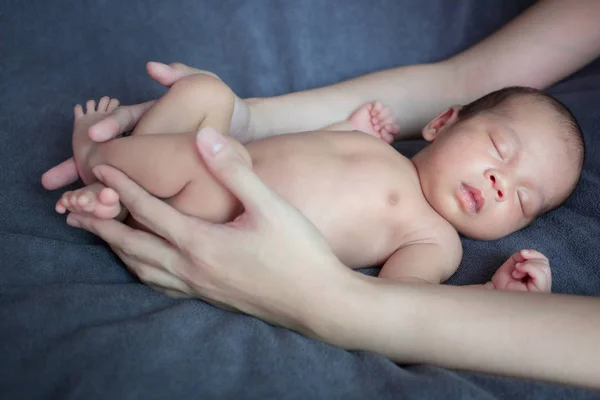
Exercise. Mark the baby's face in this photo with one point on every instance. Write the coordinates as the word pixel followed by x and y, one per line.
pixel 492 174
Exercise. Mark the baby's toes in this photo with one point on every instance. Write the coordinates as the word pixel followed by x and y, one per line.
pixel 78 111
pixel 112 105
pixel 90 106
pixel 107 212
pixel 108 197
pixel 62 205
pixel 103 104
pixel 68 202
pixel 108 206
pixel 86 202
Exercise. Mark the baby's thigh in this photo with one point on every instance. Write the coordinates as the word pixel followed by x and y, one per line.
pixel 206 198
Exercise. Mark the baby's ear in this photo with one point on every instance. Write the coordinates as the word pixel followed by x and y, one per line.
pixel 445 119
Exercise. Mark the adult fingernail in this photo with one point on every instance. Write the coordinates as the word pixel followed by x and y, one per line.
pixel 210 139
pixel 73 221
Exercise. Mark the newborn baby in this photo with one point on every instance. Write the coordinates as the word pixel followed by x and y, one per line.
pixel 491 168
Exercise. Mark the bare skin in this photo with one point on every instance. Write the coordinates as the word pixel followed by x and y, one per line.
pixel 462 329
pixel 102 202
pixel 188 191
pixel 308 169
pixel 125 118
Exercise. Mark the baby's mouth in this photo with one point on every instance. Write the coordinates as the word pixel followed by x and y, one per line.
pixel 470 198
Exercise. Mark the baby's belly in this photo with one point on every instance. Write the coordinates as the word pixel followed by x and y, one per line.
pixel 349 188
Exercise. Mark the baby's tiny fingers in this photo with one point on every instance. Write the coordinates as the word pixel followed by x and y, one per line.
pixel 518 274
pixel 394 128
pixel 377 106
pixel 516 286
pixel 386 136
pixel 385 113
pixel 530 254
pixel 540 279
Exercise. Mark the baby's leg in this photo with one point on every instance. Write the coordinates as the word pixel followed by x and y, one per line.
pixel 164 164
pixel 373 118
pixel 168 167
pixel 191 103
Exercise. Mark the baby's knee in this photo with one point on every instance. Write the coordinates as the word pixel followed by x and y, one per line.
pixel 204 86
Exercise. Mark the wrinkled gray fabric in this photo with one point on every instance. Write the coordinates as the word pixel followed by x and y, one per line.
pixel 75 324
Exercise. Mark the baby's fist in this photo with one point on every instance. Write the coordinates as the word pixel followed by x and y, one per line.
pixel 525 271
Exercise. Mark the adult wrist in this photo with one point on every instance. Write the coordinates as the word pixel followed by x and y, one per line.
pixel 367 314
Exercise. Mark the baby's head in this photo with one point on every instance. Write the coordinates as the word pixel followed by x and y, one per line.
pixel 496 164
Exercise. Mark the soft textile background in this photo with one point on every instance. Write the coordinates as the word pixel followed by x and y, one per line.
pixel 75 324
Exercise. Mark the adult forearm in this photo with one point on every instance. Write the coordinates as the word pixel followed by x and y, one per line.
pixel 415 94
pixel 549 337
pixel 543 45
pixel 541 336
pixel 535 49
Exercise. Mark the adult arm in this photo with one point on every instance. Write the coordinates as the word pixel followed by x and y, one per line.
pixel 272 263
pixel 546 43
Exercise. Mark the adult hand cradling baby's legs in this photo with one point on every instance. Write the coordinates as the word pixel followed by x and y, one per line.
pixel 263 263
pixel 272 263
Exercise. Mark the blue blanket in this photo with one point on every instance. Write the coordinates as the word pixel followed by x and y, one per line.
pixel 75 324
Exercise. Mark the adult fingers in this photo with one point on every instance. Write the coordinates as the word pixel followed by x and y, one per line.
pixel 171 293
pixel 151 212
pixel 61 175
pixel 228 166
pixel 130 243
pixel 121 120
pixel 152 275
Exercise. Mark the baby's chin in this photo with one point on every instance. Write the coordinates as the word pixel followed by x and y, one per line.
pixel 484 232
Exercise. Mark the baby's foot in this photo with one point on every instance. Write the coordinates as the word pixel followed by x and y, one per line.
pixel 376 120
pixel 95 199
pixel 82 143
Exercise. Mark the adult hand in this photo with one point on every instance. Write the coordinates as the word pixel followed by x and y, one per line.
pixel 270 262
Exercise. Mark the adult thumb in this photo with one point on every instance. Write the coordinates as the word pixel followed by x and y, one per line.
pixel 231 169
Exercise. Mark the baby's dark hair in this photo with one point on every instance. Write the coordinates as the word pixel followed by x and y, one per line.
pixel 570 129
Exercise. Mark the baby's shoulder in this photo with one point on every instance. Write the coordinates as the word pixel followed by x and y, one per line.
pixel 435 230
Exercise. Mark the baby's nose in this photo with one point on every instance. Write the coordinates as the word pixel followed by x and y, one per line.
pixel 499 185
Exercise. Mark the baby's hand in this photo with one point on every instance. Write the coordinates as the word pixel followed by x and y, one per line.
pixel 526 270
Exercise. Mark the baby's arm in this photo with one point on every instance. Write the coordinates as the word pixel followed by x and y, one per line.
pixel 526 270
pixel 372 118
pixel 422 263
